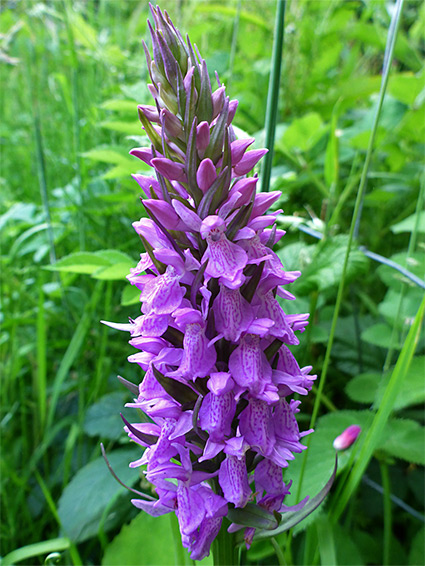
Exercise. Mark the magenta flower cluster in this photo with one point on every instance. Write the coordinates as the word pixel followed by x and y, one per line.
pixel 212 337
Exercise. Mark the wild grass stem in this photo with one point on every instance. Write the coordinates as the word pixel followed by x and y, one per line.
pixel 273 94
pixel 387 513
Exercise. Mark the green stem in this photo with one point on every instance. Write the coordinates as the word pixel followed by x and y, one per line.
pixel 279 554
pixel 273 94
pixel 225 552
pixel 234 43
pixel 387 513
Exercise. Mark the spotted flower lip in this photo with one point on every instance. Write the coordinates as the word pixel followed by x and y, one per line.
pixel 212 333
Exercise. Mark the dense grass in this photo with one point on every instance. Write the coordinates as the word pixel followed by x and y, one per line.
pixel 73 73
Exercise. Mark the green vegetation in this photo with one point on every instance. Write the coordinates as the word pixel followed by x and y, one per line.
pixel 72 75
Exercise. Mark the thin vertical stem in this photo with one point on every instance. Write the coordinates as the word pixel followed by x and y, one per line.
pixel 234 42
pixel 387 513
pixel 273 94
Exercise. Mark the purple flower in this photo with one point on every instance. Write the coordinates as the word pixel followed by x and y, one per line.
pixel 211 335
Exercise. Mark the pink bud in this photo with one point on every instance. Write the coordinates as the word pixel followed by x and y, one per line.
pixel 233 104
pixel 143 153
pixel 249 160
pixel 218 100
pixel 206 175
pixel 170 169
pixel 263 202
pixel 238 148
pixel 165 213
pixel 246 187
pixel 347 438
pixel 151 112
pixel 202 136
pixel 173 126
pixel 145 183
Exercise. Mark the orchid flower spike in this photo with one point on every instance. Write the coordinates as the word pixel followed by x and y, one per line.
pixel 211 335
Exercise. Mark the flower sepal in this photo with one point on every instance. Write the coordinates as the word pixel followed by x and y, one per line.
pixel 252 515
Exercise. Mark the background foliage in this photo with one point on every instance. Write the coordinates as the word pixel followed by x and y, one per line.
pixel 73 73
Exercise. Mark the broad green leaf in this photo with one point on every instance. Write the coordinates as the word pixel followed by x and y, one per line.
pixel 363 387
pixel 404 439
pixel 412 391
pixel 379 335
pixel 116 272
pixel 147 541
pixel 130 295
pixel 90 492
pixel 409 223
pixel 303 133
pixel 102 418
pixel 103 264
pixel 405 87
pixel 79 262
pixel 411 300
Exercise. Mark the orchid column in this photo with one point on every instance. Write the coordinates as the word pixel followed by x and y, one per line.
pixel 211 337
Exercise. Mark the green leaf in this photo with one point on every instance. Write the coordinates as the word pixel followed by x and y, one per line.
pixel 412 390
pixel 405 439
pixel 130 295
pixel 102 419
pixel 103 264
pixel 79 262
pixel 323 265
pixel 143 542
pixel 91 491
pixel 116 272
pixel 405 87
pixel 379 335
pixel 303 133
pixel 363 387
pixel 409 223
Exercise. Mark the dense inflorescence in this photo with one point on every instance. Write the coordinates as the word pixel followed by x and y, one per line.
pixel 212 337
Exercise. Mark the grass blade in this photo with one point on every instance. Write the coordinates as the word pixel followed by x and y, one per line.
pixel 273 94
pixel 44 547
